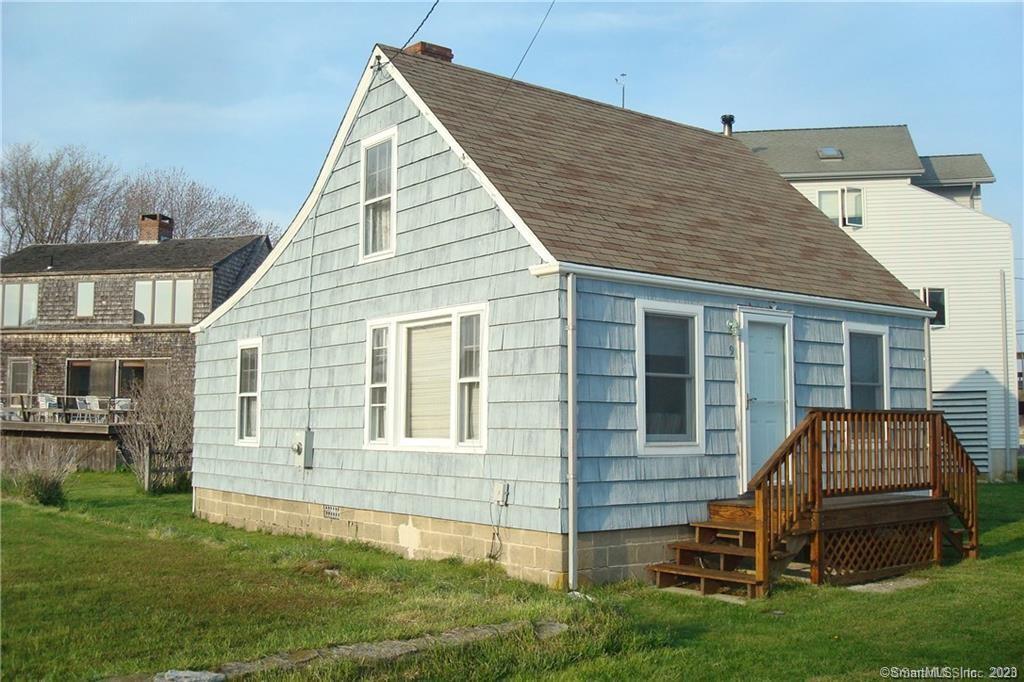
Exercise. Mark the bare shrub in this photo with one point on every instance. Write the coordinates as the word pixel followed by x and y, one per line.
pixel 160 424
pixel 37 470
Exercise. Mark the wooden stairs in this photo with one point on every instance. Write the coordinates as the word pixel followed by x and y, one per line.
pixel 721 556
pixel 858 496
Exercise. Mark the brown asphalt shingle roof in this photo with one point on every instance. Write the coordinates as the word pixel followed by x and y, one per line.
pixel 609 187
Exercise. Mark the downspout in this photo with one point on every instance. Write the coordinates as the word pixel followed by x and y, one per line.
pixel 1011 447
pixel 928 362
pixel 570 287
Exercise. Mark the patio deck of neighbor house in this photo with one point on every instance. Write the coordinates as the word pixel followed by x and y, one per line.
pixel 88 423
pixel 858 495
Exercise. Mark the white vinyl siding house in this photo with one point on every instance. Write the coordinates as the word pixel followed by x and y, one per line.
pixel 961 262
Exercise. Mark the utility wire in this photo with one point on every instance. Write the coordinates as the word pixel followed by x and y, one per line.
pixel 429 11
pixel 523 58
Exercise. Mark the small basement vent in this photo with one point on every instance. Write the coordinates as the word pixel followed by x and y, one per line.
pixel 967 413
pixel 332 511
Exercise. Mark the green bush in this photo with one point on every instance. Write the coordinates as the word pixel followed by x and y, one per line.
pixel 46 490
pixel 37 470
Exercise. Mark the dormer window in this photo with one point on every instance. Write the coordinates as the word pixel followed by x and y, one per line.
pixel 843 206
pixel 377 236
pixel 830 153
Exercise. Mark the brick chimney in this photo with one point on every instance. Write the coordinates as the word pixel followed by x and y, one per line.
pixel 430 50
pixel 155 227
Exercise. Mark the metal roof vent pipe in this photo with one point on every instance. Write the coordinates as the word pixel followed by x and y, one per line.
pixel 727 121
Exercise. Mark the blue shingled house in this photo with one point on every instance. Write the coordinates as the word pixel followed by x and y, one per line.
pixel 515 324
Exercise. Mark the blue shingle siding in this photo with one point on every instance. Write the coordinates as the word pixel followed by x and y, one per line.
pixel 621 489
pixel 454 247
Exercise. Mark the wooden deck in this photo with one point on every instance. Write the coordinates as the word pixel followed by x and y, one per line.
pixel 858 496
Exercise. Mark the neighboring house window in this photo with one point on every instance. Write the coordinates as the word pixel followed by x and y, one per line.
pixel 92 377
pixel 163 301
pixel 19 375
pixel 378 384
pixel 248 392
pixel 84 299
pixel 113 377
pixel 867 365
pixel 670 362
pixel 433 395
pixel 20 305
pixel 844 206
pixel 936 300
pixel 377 235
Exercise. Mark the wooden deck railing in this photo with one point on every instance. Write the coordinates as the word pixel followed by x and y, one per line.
pixel 834 453
pixel 46 408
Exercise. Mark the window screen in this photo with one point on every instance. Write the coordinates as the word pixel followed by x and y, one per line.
pixel 866 372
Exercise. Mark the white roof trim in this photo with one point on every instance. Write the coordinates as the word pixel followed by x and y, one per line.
pixel 340 138
pixel 495 195
pixel 632 277
pixel 307 207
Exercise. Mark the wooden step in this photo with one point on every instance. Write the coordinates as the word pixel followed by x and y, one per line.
pixel 712 548
pixel 730 524
pixel 731 510
pixel 698 572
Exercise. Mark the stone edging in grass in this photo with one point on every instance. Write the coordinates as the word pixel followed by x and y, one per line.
pixel 366 652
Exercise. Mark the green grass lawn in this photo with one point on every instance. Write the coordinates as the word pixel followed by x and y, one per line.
pixel 122 583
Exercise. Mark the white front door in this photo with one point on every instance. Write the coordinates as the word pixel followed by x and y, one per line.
pixel 766 383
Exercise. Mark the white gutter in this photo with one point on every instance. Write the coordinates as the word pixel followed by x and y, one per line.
pixel 681 283
pixel 570 288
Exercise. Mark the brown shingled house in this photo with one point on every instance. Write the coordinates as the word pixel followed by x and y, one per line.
pixel 84 323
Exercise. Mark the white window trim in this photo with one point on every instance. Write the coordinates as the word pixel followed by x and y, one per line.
pixel 395 407
pixel 256 343
pixel 680 310
pixel 842 190
pixel 392 135
pixel 877 330
pixel 945 302
pixel 92 302
pixel 31 373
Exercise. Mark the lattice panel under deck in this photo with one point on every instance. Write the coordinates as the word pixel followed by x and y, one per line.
pixel 848 553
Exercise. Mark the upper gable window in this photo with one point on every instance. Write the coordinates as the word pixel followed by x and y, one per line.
pixel 843 206
pixel 377 236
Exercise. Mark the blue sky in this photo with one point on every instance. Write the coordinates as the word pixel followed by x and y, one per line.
pixel 246 97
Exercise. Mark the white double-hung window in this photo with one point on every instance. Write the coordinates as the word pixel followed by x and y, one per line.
pixel 844 206
pixel 247 423
pixel 163 301
pixel 379 179
pixel 426 380
pixel 670 378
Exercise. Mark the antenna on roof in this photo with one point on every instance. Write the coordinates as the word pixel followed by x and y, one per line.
pixel 621 80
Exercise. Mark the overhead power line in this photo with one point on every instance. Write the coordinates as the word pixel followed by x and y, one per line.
pixel 427 16
pixel 523 58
